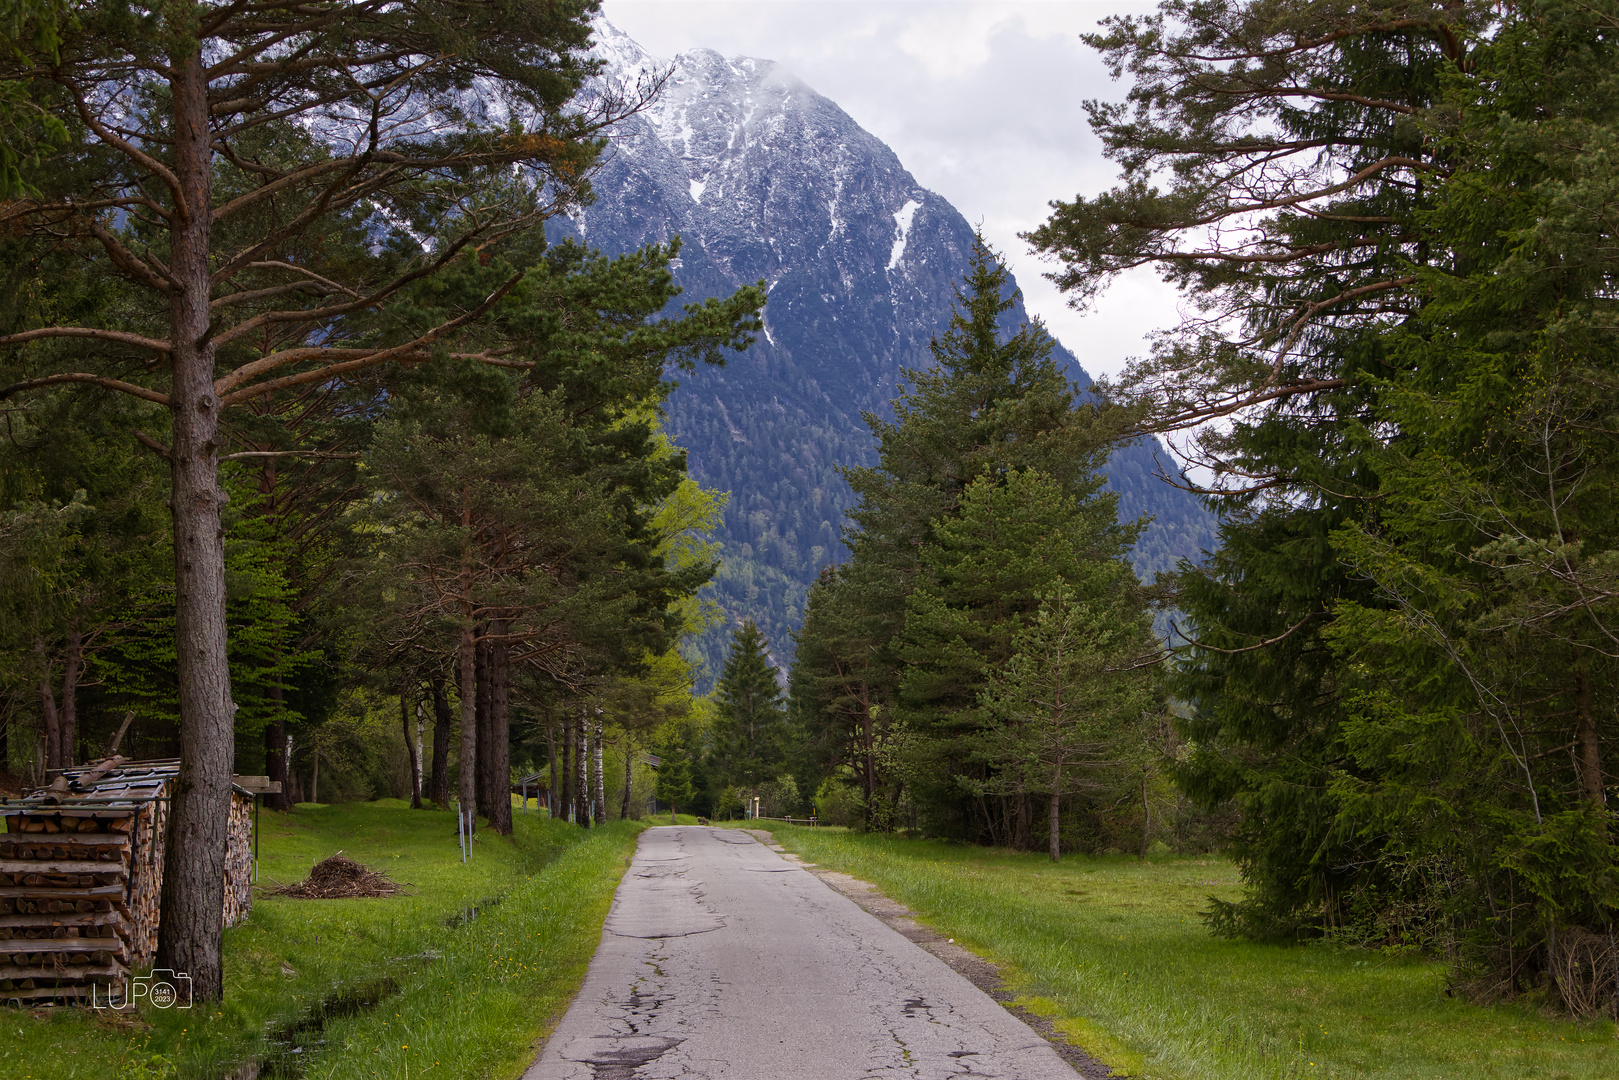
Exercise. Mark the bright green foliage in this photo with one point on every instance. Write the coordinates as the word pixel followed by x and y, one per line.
pixel 751 716
pixel 1019 539
pixel 678 781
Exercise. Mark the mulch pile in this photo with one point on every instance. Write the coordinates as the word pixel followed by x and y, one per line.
pixel 340 878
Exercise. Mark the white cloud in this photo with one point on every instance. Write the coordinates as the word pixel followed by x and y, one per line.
pixel 981 100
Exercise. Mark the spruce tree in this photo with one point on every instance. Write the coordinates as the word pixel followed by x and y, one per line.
pixel 992 405
pixel 748 732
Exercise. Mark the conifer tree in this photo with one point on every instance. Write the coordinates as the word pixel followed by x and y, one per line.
pixel 220 160
pixel 1064 707
pixel 994 404
pixel 748 731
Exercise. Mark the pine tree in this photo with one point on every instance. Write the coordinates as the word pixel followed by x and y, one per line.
pixel 1064 707
pixel 228 203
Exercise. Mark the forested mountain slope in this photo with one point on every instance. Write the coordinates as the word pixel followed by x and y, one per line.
pixel 765 179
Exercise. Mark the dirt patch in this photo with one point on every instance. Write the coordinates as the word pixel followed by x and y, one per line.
pixel 969 965
pixel 340 878
pixel 10 785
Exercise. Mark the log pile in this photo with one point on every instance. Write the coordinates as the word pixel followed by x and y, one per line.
pixel 81 880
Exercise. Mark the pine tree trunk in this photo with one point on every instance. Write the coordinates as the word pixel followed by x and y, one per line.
pixel 467 787
pixel 275 737
pixel 443 725
pixel 191 925
pixel 275 763
pixel 485 768
pixel 1587 739
pixel 68 719
pixel 1055 822
pixel 47 711
pixel 552 793
pixel 629 757
pixel 868 813
pixel 412 750
pixel 499 735
pixel 1146 815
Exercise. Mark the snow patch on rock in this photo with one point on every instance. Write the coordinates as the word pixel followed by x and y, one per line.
pixel 902 225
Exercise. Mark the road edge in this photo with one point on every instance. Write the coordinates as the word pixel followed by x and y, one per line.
pixel 982 973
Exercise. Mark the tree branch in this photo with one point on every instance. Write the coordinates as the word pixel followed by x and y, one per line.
pixel 81 377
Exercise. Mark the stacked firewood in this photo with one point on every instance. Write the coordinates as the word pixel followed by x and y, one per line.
pixel 64 914
pixel 81 878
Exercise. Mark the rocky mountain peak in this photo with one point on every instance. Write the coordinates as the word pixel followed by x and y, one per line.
pixel 765 179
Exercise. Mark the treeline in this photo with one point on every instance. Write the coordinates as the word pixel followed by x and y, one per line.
pixel 1393 225
pixel 307 427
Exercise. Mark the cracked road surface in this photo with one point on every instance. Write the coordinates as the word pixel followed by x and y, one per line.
pixel 723 961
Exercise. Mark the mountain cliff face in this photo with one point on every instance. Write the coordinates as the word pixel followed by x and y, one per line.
pixel 764 179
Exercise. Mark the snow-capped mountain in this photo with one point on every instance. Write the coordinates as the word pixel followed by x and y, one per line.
pixel 764 179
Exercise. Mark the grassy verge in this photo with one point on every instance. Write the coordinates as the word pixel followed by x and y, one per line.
pixel 1113 950
pixel 405 986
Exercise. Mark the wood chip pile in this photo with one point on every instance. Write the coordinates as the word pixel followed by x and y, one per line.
pixel 81 875
pixel 340 878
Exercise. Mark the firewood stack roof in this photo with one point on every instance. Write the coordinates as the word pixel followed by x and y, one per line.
pixel 81 871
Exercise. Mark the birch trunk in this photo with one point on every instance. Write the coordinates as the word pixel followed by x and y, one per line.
pixel 413 749
pixel 598 784
pixel 581 785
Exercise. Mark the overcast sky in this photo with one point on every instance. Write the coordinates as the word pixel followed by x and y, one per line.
pixel 981 99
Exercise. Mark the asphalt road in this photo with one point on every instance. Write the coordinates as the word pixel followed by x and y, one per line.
pixel 721 960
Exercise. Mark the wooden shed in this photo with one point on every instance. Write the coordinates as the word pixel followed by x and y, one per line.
pixel 81 878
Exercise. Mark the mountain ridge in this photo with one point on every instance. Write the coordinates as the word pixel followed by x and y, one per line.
pixel 766 180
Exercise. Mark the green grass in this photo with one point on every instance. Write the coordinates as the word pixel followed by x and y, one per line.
pixel 1113 949
pixel 468 1000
